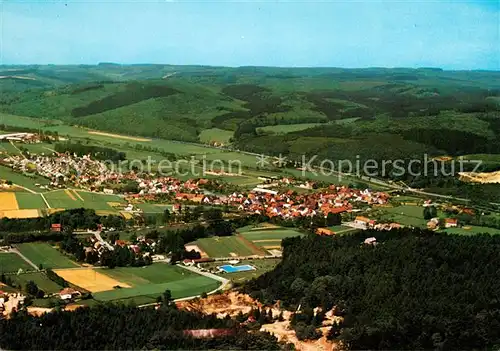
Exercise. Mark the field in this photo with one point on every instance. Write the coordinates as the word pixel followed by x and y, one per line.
pixel 268 238
pixel 22 180
pixel 154 208
pixel 30 201
pixel 46 255
pixel 40 279
pixel 8 202
pixel 90 279
pixel 225 246
pixel 342 229
pixel 472 230
pixel 215 134
pixel 407 215
pixel 11 262
pixel 146 283
pixel 288 128
pixel 75 199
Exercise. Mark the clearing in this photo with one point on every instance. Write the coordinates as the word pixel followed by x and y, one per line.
pixel 43 253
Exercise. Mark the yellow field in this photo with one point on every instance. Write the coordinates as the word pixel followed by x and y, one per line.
pixel 115 204
pixel 126 215
pixel 70 194
pixel 89 279
pixel 8 202
pixel 20 214
pixel 54 210
pixel 119 136
pixel 272 247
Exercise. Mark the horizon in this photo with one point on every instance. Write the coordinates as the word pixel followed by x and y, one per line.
pixel 250 66
pixel 450 35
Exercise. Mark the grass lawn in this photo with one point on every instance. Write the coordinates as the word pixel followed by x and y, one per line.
pixel 30 201
pixel 472 230
pixel 42 253
pixel 40 279
pixel 224 246
pixel 11 262
pixel 215 134
pixel 22 180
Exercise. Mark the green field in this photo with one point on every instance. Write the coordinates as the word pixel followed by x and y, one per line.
pixel 42 253
pixel 60 199
pixel 407 215
pixel 288 128
pixel 40 279
pixel 8 148
pixel 224 246
pixel 342 229
pixel 22 180
pixel 154 208
pixel 270 234
pixel 98 202
pixel 473 230
pixel 215 134
pixel 11 262
pixel 151 281
pixel 30 201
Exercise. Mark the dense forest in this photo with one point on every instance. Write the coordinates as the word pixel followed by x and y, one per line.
pixel 414 289
pixel 126 328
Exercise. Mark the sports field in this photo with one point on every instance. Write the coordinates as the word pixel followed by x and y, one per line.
pixel 42 253
pixel 11 262
pixel 224 246
pixel 90 279
pixel 40 279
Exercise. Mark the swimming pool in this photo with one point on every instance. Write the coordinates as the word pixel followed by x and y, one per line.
pixel 229 268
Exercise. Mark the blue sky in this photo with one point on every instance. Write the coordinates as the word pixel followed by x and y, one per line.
pixel 451 35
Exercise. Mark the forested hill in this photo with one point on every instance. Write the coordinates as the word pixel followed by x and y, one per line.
pixel 413 290
pixel 253 103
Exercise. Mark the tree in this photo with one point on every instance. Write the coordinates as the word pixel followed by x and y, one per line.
pixel 333 219
pixel 31 288
pixel 427 213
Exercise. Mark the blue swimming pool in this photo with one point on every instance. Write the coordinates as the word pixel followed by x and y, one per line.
pixel 228 268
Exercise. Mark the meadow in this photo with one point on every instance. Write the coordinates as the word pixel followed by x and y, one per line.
pixel 30 201
pixel 70 198
pixel 407 215
pixel 11 263
pixel 25 181
pixel 472 230
pixel 46 255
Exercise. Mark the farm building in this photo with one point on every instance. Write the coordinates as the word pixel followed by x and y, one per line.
pixel 450 222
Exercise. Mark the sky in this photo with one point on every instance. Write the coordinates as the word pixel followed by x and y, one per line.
pixel 446 34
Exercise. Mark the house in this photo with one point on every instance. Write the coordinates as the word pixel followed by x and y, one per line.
pixel 324 231
pixel 362 221
pixel 450 222
pixel 370 241
pixel 433 223
pixel 68 293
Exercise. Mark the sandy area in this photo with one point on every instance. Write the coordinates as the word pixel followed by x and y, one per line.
pixel 89 279
pixel 117 136
pixel 491 177
pixel 232 303
pixel 197 249
pixel 8 202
